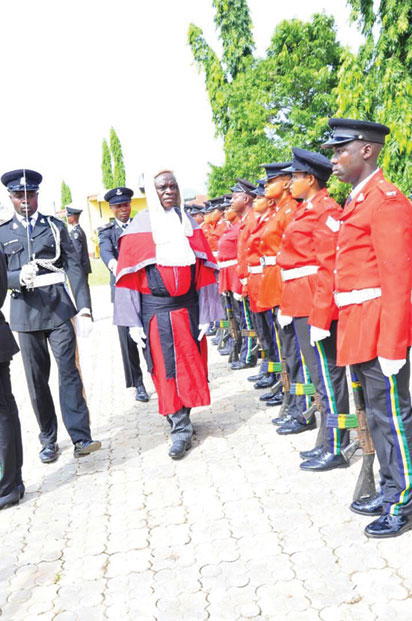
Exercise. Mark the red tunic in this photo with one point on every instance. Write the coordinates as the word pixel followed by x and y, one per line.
pixel 271 284
pixel 246 224
pixel 310 240
pixel 227 251
pixel 375 251
pixel 253 254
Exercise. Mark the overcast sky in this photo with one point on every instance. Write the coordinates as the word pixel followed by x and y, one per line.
pixel 72 69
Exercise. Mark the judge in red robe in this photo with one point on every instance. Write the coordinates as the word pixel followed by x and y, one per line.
pixel 166 291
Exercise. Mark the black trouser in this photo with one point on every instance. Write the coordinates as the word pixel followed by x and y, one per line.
pixel 297 373
pixel 329 380
pixel 388 412
pixel 265 330
pixel 11 451
pixel 130 356
pixel 247 353
pixel 36 360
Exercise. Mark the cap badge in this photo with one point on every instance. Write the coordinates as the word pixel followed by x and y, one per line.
pixel 22 181
pixel 118 192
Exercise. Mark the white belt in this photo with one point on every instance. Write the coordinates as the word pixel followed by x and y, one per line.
pixel 53 278
pixel 268 260
pixel 228 263
pixel 255 269
pixel 299 272
pixel 357 296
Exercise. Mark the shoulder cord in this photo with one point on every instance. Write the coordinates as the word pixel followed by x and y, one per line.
pixel 48 264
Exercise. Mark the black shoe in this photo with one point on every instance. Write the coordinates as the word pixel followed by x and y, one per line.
pixel 22 490
pixel 225 351
pixel 325 461
pixel 266 381
pixel 49 453
pixel 240 364
pixel 85 447
pixel 276 400
pixel 179 448
pixel 255 378
pixel 281 420
pixel 295 426
pixel 315 452
pixel 266 397
pixel 388 526
pixel 373 505
pixel 211 331
pixel 11 499
pixel 141 394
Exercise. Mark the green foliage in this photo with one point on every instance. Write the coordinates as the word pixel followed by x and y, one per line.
pixel 263 107
pixel 107 171
pixel 377 83
pixel 119 173
pixel 65 195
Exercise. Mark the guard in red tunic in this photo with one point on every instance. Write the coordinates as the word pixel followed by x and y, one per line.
pixel 167 275
pixel 373 281
pixel 307 257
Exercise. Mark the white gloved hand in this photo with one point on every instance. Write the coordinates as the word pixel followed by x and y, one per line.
pixel 243 281
pixel 284 320
pixel 238 297
pixel 202 330
pixel 28 274
pixel 138 336
pixel 112 265
pixel 317 334
pixel 390 367
pixel 84 325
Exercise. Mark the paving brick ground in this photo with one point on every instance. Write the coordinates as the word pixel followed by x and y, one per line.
pixel 233 531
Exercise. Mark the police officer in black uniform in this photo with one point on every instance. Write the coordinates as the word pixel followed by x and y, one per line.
pixel 79 239
pixel 39 254
pixel 11 450
pixel 119 201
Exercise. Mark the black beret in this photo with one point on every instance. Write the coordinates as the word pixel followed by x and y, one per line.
pixel 23 178
pixel 118 195
pixel 276 169
pixel 347 130
pixel 310 162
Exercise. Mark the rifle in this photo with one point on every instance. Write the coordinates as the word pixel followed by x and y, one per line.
pixel 234 329
pixel 365 485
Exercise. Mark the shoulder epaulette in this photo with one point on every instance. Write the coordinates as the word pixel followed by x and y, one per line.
pixel 388 189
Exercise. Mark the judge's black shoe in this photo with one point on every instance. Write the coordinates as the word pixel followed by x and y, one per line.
pixel 49 453
pixel 141 394
pixel 179 448
pixel 325 461
pixel 240 364
pixel 10 499
pixel 315 452
pixel 85 447
pixel 388 526
pixel 276 399
pixel 266 381
pixel 295 426
pixel 373 505
pixel 281 420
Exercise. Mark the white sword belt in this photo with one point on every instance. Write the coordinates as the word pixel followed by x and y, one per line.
pixel 299 272
pixel 356 296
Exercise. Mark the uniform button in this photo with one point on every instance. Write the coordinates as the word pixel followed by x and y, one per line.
pixel 335 271
pixel 337 247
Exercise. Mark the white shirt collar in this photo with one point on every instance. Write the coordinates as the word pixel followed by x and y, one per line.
pixel 121 224
pixel 355 191
pixel 23 220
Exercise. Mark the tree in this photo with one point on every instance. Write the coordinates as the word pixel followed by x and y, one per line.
pixel 65 195
pixel 262 107
pixel 376 83
pixel 107 172
pixel 119 173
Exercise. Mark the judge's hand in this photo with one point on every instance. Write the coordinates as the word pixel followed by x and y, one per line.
pixel 202 330
pixel 390 367
pixel 28 274
pixel 138 336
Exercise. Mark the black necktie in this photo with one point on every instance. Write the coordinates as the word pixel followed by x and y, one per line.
pixel 179 213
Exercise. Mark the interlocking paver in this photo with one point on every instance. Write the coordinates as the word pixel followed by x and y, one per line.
pixel 234 531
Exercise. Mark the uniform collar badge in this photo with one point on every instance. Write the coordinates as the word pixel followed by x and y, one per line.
pixel 15 226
